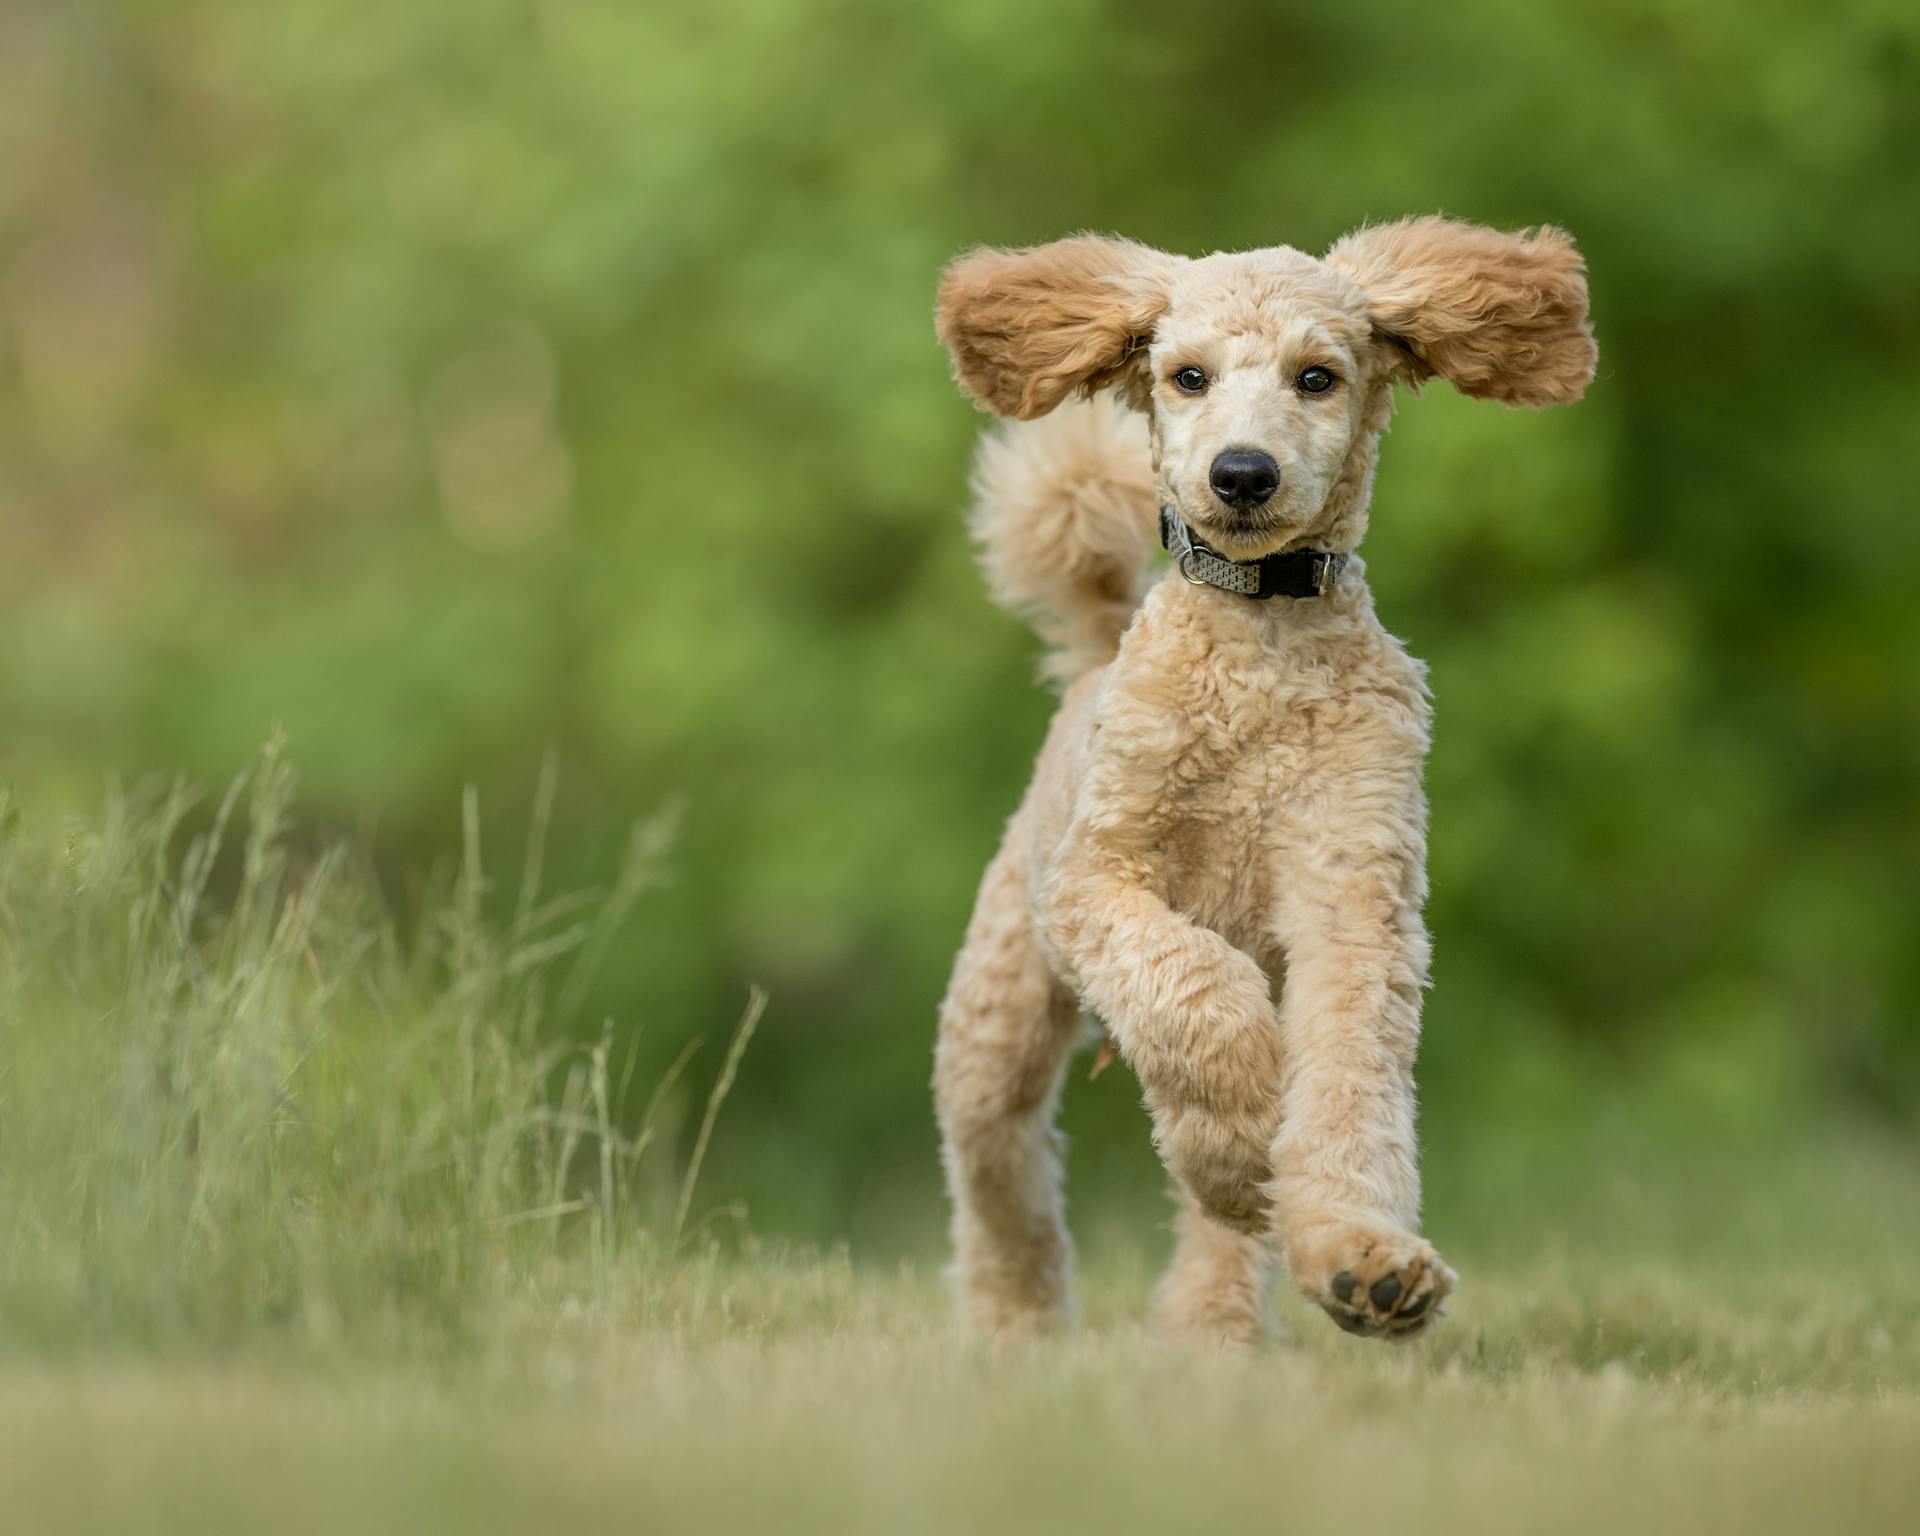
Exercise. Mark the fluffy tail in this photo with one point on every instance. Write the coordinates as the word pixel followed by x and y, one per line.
pixel 1066 521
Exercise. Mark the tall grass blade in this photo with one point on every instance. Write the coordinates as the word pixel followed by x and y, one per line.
pixel 722 1086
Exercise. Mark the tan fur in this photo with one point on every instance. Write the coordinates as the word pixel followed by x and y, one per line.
pixel 1223 850
pixel 1027 328
pixel 1066 521
pixel 1502 317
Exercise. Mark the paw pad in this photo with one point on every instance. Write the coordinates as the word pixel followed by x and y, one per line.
pixel 1391 1287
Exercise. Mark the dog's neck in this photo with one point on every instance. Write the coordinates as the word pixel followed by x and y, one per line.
pixel 1296 573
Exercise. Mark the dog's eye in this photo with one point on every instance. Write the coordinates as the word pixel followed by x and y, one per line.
pixel 1189 381
pixel 1315 381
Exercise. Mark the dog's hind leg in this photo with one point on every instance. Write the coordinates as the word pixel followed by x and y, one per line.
pixel 1006 1030
pixel 1219 1287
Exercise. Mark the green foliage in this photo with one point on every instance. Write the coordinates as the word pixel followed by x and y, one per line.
pixel 452 382
pixel 238 1104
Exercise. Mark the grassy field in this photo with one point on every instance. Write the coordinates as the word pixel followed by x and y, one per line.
pixel 311 1219
pixel 803 1395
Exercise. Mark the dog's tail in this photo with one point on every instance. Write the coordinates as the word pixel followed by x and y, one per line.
pixel 1065 517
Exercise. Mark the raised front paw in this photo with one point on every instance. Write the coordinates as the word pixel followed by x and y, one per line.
pixel 1374 1280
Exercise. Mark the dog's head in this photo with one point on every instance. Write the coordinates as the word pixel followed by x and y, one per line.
pixel 1268 374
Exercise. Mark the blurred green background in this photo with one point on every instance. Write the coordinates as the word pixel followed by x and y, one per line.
pixel 452 383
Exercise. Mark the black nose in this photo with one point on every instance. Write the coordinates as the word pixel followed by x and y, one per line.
pixel 1243 478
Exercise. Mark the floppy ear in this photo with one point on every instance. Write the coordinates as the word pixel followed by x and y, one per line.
pixel 1026 328
pixel 1500 316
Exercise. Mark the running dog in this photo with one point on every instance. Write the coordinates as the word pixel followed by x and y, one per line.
pixel 1222 853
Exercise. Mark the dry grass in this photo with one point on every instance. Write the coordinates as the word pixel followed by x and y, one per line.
pixel 309 1225
pixel 803 1396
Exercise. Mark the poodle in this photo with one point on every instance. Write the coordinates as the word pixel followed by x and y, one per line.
pixel 1222 853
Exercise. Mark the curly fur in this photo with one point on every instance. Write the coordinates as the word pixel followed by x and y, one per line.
pixel 1066 523
pixel 1028 328
pixel 1223 849
pixel 1500 317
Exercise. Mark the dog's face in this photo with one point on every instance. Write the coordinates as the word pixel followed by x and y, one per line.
pixel 1264 373
pixel 1257 378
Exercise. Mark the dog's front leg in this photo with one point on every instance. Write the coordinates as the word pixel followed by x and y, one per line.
pixel 1193 1017
pixel 1346 1174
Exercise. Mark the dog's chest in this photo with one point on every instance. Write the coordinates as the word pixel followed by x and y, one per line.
pixel 1264 735
pixel 1245 737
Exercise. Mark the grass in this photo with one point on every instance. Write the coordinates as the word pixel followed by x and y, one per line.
pixel 803 1395
pixel 314 1219
pixel 242 1106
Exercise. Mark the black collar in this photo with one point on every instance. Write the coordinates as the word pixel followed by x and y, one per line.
pixel 1297 573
